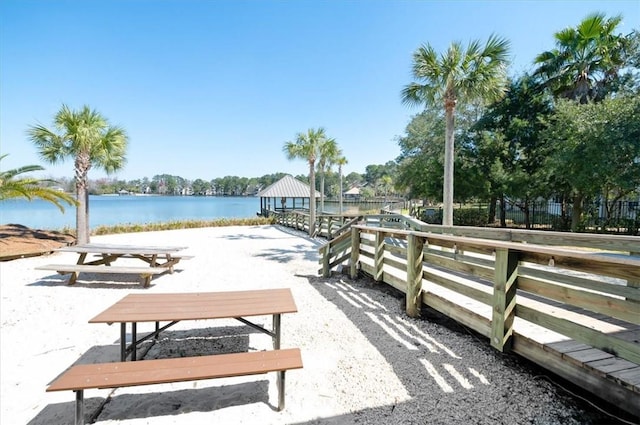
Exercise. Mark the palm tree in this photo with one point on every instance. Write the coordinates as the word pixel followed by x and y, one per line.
pixel 329 153
pixel 586 59
pixel 88 138
pixel 477 73
pixel 341 162
pixel 12 186
pixel 307 146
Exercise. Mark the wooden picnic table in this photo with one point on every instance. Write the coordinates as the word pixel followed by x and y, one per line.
pixel 175 307
pixel 136 308
pixel 159 259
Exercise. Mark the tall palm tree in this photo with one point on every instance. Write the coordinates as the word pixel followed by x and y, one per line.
pixel 329 153
pixel 12 186
pixel 87 137
pixel 459 75
pixel 586 59
pixel 341 162
pixel 307 146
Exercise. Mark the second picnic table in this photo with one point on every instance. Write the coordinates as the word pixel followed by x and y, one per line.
pixel 160 259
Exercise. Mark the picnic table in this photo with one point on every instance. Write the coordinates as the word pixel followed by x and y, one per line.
pixel 136 308
pixel 158 259
pixel 176 307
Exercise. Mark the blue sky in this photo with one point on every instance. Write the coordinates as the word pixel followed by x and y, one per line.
pixel 207 89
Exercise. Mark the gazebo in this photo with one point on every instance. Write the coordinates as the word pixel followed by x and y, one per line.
pixel 284 195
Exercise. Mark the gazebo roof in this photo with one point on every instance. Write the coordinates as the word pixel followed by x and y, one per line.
pixel 287 187
pixel 353 191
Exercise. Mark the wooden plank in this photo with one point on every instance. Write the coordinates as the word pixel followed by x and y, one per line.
pixel 472 269
pixel 162 371
pixel 561 277
pixel 585 356
pixel 198 305
pixel 120 249
pixel 607 389
pixel 595 302
pixel 629 376
pixel 567 346
pixel 83 268
pixel 610 365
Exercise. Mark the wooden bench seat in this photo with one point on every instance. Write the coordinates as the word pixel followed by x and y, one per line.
pixel 161 371
pixel 145 272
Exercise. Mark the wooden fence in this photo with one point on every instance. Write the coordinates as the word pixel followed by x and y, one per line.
pixel 569 302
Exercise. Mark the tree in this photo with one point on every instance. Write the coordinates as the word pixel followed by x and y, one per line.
pixel 341 162
pixel 596 150
pixel 328 155
pixel 307 146
pixel 459 75
pixel 12 186
pixel 87 137
pixel 506 147
pixel 587 59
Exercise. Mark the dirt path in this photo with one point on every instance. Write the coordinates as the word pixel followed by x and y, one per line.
pixel 17 241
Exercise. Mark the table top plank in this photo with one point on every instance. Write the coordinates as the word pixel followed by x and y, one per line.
pixel 120 249
pixel 198 305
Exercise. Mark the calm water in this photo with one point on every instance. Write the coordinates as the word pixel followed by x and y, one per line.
pixel 111 210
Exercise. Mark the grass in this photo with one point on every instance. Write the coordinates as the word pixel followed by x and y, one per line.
pixel 174 225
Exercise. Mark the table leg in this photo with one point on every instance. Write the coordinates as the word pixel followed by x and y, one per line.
pixel 123 341
pixel 74 275
pixel 276 331
pixel 280 385
pixel 134 342
pixel 82 258
pixel 79 420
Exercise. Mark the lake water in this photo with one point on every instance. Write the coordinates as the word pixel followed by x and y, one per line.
pixel 113 210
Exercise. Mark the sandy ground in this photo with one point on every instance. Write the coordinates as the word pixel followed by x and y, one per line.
pixel 365 362
pixel 45 330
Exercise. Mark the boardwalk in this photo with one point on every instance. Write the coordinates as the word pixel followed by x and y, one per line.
pixel 571 310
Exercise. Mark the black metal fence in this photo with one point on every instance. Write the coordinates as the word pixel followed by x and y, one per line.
pixel 622 217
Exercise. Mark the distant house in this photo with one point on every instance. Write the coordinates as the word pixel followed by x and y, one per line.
pixel 288 193
pixel 352 194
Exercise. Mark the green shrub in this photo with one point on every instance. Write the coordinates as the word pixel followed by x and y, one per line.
pixel 174 225
pixel 461 216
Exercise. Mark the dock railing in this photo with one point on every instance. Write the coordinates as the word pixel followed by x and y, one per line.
pixel 569 302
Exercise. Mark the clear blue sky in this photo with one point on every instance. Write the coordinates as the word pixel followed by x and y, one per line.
pixel 208 88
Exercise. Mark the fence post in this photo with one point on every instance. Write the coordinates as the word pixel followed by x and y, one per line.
pixel 633 283
pixel 355 252
pixel 504 298
pixel 414 275
pixel 325 251
pixel 378 257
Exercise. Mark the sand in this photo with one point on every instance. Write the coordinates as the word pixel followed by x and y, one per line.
pixel 364 361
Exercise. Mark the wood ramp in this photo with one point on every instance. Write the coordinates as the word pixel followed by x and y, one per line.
pixel 571 310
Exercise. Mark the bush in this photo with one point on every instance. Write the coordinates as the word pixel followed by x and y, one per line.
pixel 461 216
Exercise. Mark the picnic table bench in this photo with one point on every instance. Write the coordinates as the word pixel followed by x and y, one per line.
pixel 176 307
pixel 160 259
pixel 161 371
